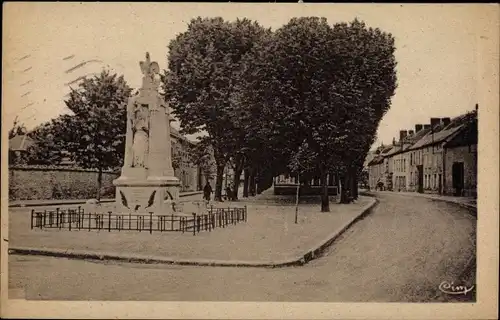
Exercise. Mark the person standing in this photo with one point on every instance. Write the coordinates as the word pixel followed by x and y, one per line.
pixel 229 195
pixel 207 191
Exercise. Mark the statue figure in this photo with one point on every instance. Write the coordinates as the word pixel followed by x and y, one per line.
pixel 140 134
pixel 150 70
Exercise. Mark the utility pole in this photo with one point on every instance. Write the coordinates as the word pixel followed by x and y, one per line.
pixel 297 199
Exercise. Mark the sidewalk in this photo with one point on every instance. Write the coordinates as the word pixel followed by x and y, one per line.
pixel 269 238
pixel 55 202
pixel 468 202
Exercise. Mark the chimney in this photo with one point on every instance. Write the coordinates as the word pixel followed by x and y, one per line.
pixel 446 121
pixel 418 127
pixel 477 106
pixel 427 126
pixel 410 132
pixel 402 134
pixel 435 122
pixel 393 141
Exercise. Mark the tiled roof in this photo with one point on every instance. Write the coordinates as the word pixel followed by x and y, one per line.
pixel 436 137
pixel 20 143
pixel 442 132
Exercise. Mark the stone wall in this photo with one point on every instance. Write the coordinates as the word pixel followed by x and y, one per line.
pixel 38 183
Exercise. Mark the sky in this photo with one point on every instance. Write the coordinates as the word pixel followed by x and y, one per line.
pixel 436 49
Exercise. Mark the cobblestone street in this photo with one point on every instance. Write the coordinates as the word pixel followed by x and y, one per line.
pixel 401 252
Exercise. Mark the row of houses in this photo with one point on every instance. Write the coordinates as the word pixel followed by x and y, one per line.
pixel 439 157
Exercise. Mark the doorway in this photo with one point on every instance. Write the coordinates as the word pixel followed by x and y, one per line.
pixel 420 169
pixel 458 178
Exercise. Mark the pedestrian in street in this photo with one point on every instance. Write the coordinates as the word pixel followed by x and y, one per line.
pixel 207 191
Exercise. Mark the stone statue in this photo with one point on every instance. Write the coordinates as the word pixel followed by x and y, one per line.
pixel 140 133
pixel 139 115
pixel 150 70
pixel 147 182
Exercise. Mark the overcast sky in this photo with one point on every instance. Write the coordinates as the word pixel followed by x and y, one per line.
pixel 436 50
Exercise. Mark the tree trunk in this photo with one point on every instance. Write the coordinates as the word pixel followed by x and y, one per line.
pixel 345 188
pixel 245 183
pixel 258 184
pixel 252 183
pixel 99 184
pixel 236 179
pixel 218 183
pixel 356 181
pixel 325 201
pixel 352 181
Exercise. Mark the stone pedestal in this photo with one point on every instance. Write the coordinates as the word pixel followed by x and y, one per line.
pixel 147 182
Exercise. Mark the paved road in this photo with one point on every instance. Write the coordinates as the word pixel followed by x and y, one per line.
pixel 399 253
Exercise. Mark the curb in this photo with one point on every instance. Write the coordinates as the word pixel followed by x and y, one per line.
pixel 63 203
pixel 310 255
pixel 316 252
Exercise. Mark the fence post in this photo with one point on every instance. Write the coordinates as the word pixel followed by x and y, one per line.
pixel 69 221
pixel 194 224
pixel 109 220
pixel 32 213
pixel 90 220
pixel 150 222
pixel 245 214
pixel 57 217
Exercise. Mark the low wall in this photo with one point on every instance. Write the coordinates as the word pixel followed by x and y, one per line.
pixel 41 183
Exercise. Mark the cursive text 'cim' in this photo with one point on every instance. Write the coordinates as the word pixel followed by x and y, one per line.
pixel 449 288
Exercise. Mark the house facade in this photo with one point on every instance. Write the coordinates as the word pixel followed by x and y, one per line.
pixel 460 162
pixel 380 169
pixel 437 158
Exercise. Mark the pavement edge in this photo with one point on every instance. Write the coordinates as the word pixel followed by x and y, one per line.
pixel 310 255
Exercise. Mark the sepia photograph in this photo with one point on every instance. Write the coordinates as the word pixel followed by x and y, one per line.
pixel 305 155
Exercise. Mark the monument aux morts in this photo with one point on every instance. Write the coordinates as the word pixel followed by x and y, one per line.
pixel 147 182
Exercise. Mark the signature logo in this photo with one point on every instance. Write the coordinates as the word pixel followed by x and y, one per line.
pixel 450 288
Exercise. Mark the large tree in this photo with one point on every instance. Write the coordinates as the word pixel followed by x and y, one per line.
pixel 204 66
pixel 96 128
pixel 365 84
pixel 327 87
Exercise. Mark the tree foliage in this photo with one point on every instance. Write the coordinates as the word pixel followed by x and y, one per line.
pixel 49 142
pixel 325 86
pixel 204 67
pixel 96 129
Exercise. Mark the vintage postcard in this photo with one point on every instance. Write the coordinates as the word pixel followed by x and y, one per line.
pixel 244 160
